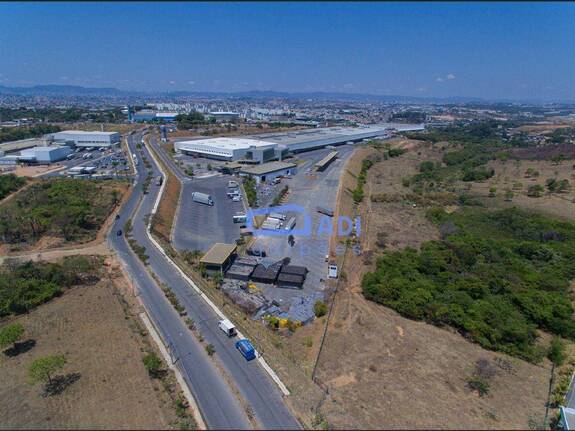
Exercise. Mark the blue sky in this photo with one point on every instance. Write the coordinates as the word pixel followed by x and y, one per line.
pixel 491 50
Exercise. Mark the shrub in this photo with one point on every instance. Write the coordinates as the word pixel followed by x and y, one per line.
pixel 535 191
pixel 210 349
pixel 320 308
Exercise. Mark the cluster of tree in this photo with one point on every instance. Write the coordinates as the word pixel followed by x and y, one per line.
pixel 557 186
pixel 66 208
pixel 25 286
pixel 409 117
pixel 562 135
pixel 25 132
pixel 495 276
pixel 251 194
pixel 10 183
pixel 357 193
pixel 193 119
pixel 475 145
pixel 64 115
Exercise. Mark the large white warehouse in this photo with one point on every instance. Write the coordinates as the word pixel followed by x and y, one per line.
pixel 44 155
pixel 81 138
pixel 230 149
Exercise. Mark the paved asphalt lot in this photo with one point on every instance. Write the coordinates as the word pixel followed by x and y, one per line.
pixel 219 407
pixel 199 226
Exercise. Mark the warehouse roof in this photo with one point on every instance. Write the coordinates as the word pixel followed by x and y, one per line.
pixel 226 143
pixel 266 168
pixel 218 254
pixel 83 132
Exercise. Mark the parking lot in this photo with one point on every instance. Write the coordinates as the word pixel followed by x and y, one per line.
pixel 110 162
pixel 199 226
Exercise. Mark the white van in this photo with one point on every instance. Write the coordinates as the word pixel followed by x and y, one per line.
pixel 228 327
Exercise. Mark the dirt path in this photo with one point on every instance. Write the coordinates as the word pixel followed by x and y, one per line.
pixel 100 248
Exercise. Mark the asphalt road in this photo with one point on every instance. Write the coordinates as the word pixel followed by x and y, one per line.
pixel 215 399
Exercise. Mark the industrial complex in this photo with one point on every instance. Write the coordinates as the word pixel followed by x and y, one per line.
pixel 273 146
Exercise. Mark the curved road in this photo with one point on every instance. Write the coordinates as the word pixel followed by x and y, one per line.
pixel 219 407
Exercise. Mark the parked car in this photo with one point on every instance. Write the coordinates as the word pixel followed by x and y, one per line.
pixel 246 349
pixel 119 233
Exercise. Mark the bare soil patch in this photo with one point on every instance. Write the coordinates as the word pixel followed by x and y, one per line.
pixel 397 373
pixel 105 345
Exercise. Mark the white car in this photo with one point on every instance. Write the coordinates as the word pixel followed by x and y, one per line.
pixel 237 198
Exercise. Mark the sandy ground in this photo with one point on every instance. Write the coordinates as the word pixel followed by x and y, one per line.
pixel 35 171
pixel 88 325
pixel 398 373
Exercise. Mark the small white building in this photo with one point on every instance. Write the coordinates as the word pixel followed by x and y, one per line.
pixel 82 138
pixel 269 171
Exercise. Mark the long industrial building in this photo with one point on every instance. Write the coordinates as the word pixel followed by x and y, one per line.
pixel 269 146
pixel 81 138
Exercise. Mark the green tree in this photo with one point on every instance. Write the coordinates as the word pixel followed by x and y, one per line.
pixel 492 192
pixel 152 363
pixel 556 352
pixel 42 369
pixel 10 334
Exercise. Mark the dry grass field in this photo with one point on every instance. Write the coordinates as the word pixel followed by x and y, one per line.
pixel 385 371
pixel 105 344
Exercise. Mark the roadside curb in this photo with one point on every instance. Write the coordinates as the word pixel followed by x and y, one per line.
pixel 240 336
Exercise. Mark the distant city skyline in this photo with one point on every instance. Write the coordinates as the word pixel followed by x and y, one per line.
pixel 487 50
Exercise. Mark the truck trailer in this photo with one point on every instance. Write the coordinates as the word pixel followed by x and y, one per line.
pixel 202 198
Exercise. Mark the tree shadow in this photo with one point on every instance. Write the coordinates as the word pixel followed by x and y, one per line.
pixel 158 374
pixel 19 348
pixel 59 384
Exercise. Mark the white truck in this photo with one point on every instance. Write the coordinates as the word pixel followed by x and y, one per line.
pixel 228 327
pixel 332 270
pixel 202 198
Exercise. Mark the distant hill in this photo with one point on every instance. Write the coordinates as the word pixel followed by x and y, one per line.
pixel 76 90
pixel 62 90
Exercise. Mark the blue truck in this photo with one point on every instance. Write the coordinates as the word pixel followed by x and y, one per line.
pixel 246 349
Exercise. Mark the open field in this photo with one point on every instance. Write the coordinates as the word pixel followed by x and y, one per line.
pixel 398 373
pixel 240 129
pixel 103 342
pixel 97 127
